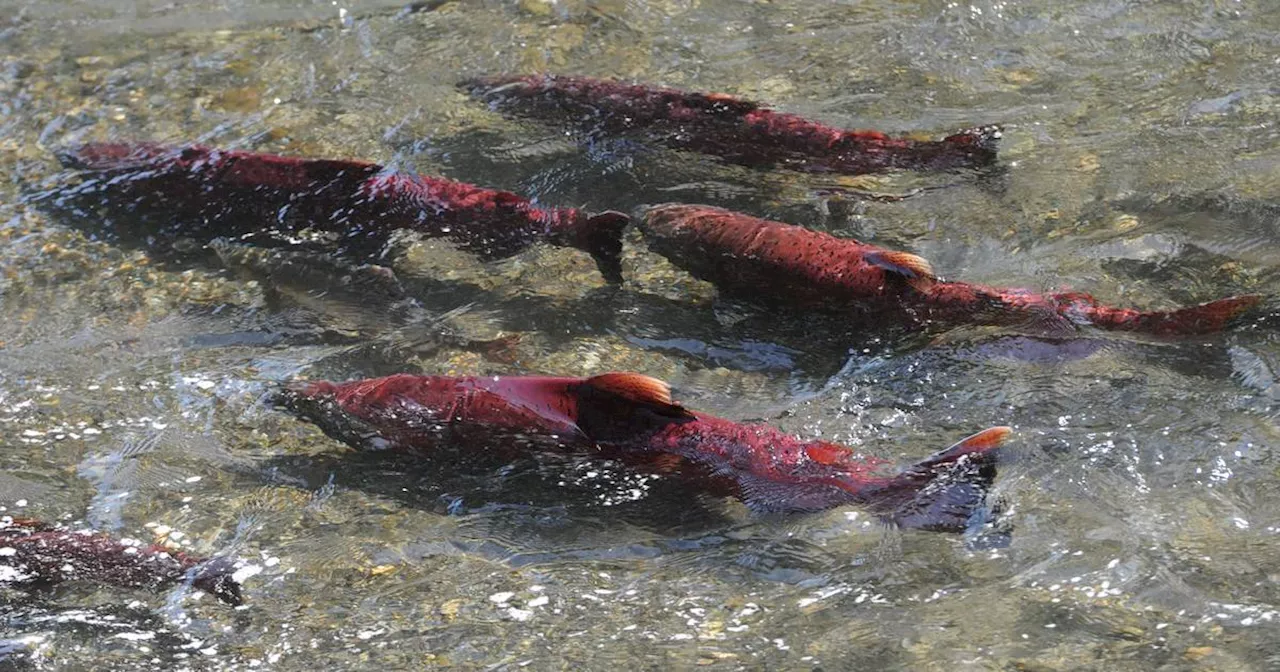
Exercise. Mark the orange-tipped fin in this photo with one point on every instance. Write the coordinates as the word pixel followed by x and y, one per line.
pixel 916 269
pixel 635 387
pixel 827 453
pixel 982 442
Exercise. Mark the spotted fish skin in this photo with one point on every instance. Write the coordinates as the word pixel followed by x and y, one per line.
pixel 785 264
pixel 38 553
pixel 737 130
pixel 205 192
pixel 631 418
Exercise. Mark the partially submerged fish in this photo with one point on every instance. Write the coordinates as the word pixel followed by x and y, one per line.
pixel 765 260
pixel 632 418
pixel 204 193
pixel 736 130
pixel 34 553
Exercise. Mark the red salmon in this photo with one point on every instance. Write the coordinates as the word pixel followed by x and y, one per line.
pixel 736 130
pixel 762 259
pixel 632 418
pixel 207 193
pixel 37 553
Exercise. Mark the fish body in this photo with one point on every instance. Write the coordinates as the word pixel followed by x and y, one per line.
pixel 631 418
pixel 781 263
pixel 37 553
pixel 737 130
pixel 203 192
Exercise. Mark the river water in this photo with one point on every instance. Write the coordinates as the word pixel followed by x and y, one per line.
pixel 1140 492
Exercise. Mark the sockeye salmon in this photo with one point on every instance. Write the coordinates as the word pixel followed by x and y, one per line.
pixel 736 130
pixel 766 260
pixel 35 553
pixel 205 193
pixel 632 418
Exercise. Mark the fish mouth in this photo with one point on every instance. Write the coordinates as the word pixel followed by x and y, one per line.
pixel 315 401
pixel 217 577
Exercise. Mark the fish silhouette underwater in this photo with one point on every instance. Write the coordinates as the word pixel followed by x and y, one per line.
pixel 35 553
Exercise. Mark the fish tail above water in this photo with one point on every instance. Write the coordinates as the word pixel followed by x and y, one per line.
pixel 600 235
pixel 980 140
pixel 35 553
pixel 943 491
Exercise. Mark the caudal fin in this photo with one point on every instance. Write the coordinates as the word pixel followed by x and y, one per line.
pixel 944 491
pixel 602 239
pixel 217 577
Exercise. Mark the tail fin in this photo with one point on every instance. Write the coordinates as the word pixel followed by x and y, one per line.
pixel 602 239
pixel 484 85
pixel 943 492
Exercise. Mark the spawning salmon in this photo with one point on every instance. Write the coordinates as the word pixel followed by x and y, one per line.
pixel 738 131
pixel 632 418
pixel 37 553
pixel 205 193
pixel 772 261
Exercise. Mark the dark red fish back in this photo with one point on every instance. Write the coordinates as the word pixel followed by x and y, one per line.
pixel 203 193
pixel 736 130
pixel 36 553
pixel 765 259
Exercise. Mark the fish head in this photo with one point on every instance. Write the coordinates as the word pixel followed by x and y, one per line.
pixel 217 577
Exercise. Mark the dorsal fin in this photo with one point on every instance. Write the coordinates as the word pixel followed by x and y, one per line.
pixel 980 443
pixel 985 138
pixel 824 452
pixel 635 387
pixel 916 269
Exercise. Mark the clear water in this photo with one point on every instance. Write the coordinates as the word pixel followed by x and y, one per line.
pixel 1143 165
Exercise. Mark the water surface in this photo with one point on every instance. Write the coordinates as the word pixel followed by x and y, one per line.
pixel 1142 164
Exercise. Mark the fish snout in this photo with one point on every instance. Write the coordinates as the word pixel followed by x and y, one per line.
pixel 217 577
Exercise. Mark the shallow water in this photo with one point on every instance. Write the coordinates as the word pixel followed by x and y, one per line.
pixel 1142 164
